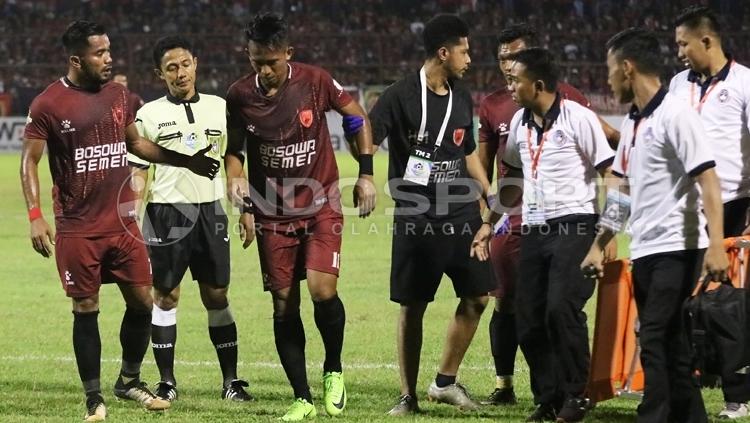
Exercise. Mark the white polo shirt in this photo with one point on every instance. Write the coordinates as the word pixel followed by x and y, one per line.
pixel 669 148
pixel 185 127
pixel 573 148
pixel 723 102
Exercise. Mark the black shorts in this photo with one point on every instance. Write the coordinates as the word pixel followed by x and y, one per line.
pixel 179 236
pixel 735 216
pixel 421 254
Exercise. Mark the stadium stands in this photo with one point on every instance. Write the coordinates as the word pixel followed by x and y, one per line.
pixel 362 42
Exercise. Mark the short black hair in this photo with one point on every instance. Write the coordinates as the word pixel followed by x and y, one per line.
pixel 167 43
pixel 269 30
pixel 519 32
pixel 694 17
pixel 540 66
pixel 444 30
pixel 640 46
pixel 75 39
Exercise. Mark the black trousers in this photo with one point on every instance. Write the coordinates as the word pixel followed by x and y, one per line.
pixel 662 282
pixel 550 297
pixel 736 387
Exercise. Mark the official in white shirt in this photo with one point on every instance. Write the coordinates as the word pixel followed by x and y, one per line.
pixel 718 88
pixel 663 159
pixel 557 148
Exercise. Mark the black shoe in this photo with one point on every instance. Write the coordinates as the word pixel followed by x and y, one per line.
pixel 543 413
pixel 138 391
pixel 501 397
pixel 574 410
pixel 236 391
pixel 406 405
pixel 96 411
pixel 166 390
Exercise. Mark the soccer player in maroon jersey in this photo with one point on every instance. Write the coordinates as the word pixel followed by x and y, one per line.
pixel 278 114
pixel 134 100
pixel 495 113
pixel 87 127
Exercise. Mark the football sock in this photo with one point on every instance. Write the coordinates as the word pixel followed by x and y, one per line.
pixel 223 333
pixel 135 332
pixel 163 341
pixel 87 346
pixel 504 382
pixel 442 380
pixel 330 319
pixel 290 344
pixel 503 342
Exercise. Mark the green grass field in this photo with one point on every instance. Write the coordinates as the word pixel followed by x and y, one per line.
pixel 39 381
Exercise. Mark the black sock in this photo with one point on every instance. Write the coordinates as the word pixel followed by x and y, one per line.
pixel 163 341
pixel 87 346
pixel 504 342
pixel 135 332
pixel 330 318
pixel 290 344
pixel 442 380
pixel 224 339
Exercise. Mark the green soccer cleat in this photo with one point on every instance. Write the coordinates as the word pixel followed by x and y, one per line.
pixel 299 410
pixel 334 393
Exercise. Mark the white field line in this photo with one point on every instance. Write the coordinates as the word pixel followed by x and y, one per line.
pixel 257 364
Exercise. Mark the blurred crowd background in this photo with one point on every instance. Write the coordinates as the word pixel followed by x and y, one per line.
pixel 361 42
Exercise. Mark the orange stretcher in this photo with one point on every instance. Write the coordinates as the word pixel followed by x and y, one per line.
pixel 615 359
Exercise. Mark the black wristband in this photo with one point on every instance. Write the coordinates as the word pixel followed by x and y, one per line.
pixel 365 164
pixel 244 208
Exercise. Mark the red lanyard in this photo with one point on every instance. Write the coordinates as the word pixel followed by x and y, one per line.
pixel 535 155
pixel 705 96
pixel 628 149
pixel 714 83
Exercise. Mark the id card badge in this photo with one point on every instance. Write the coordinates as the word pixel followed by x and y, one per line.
pixel 616 211
pixel 419 166
pixel 535 206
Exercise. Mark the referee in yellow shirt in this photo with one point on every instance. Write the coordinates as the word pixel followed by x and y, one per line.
pixel 185 225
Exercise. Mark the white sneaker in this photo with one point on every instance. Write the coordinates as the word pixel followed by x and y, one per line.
pixel 454 394
pixel 734 410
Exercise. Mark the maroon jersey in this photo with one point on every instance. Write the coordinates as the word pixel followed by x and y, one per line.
pixel 85 134
pixel 135 102
pixel 292 168
pixel 495 113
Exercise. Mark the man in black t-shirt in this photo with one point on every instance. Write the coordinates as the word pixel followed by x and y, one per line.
pixel 437 181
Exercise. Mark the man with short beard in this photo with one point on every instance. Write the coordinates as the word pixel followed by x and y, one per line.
pixel 87 126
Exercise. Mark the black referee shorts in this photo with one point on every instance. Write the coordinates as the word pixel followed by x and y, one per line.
pixel 421 254
pixel 182 235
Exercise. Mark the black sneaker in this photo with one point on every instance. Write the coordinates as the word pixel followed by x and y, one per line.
pixel 406 405
pixel 236 391
pixel 166 390
pixel 96 411
pixel 501 397
pixel 573 410
pixel 138 391
pixel 543 413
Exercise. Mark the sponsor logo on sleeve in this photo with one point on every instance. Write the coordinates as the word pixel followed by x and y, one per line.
pixel 502 129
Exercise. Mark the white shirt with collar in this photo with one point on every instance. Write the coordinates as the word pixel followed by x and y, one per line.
pixel 575 147
pixel 725 112
pixel 660 160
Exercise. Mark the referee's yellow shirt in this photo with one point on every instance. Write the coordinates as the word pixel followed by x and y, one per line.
pixel 185 126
